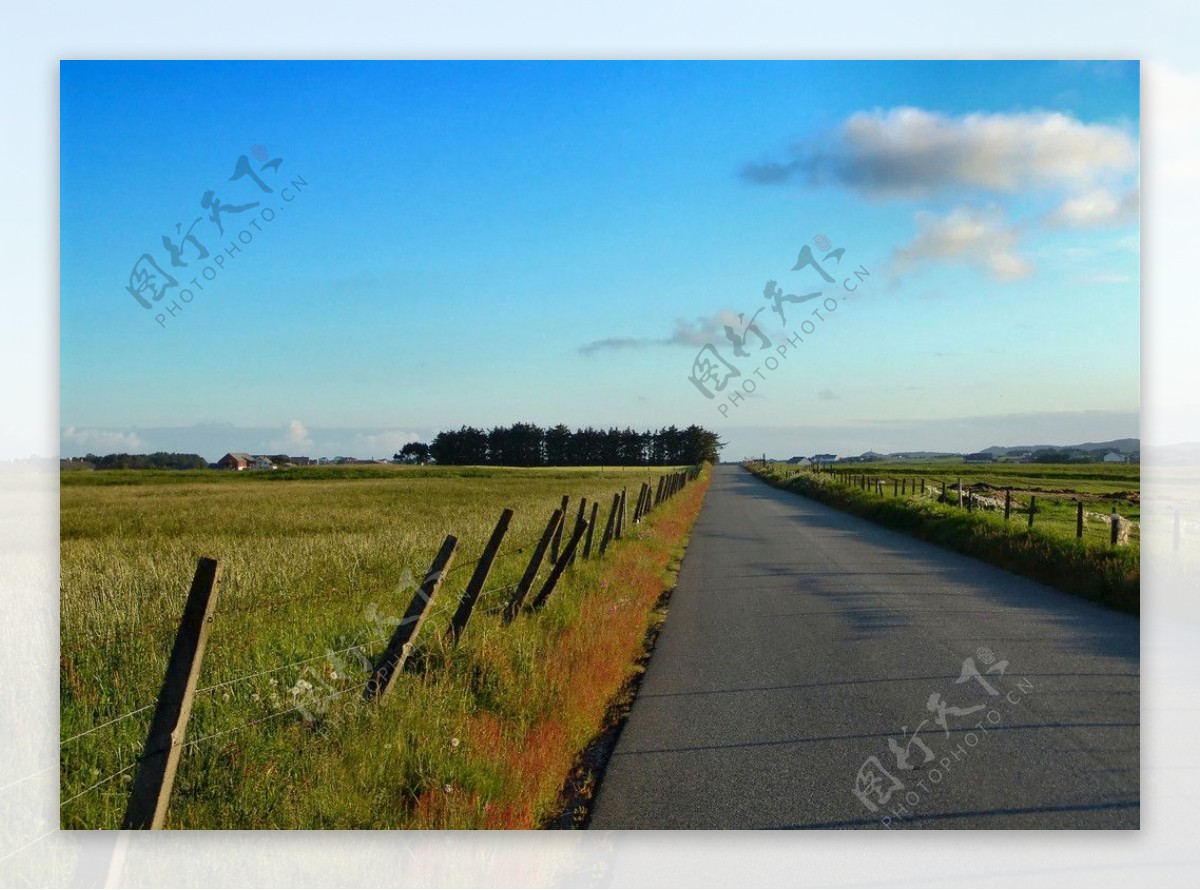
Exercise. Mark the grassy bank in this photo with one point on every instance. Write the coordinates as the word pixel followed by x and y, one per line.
pixel 1089 568
pixel 478 736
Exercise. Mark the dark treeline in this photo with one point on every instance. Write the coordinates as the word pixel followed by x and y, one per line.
pixel 159 460
pixel 529 445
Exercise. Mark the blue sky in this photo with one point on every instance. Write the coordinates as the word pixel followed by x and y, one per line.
pixel 483 243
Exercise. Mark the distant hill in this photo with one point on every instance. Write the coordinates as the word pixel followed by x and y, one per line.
pixel 1120 445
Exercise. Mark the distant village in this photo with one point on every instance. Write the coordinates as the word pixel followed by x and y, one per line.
pixel 240 460
pixel 234 460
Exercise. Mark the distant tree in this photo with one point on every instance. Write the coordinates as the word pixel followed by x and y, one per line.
pixel 414 453
pixel 557 447
pixel 159 460
pixel 1051 456
pixel 528 445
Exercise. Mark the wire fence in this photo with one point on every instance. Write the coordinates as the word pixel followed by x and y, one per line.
pixel 304 700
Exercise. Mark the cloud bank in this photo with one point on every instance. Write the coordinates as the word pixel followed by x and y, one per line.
pixel 912 153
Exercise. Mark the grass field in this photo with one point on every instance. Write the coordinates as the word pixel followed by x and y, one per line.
pixel 1050 551
pixel 1057 487
pixel 316 565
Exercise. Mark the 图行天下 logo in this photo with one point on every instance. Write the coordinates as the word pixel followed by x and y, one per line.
pixel 712 372
pixel 213 240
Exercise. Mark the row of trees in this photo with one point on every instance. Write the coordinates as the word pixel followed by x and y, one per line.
pixel 529 445
pixel 159 460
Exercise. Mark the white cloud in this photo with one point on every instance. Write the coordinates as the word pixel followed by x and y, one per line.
pixel 1095 209
pixel 912 153
pixel 978 238
pixel 295 440
pixel 99 441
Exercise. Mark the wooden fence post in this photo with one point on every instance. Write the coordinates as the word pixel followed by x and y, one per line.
pixel 658 494
pixel 400 645
pixel 560 566
pixel 535 564
pixel 578 519
pixel 621 515
pixel 642 504
pixel 960 494
pixel 970 501
pixel 557 540
pixel 1032 508
pixel 479 577
pixel 922 486
pixel 895 488
pixel 1115 534
pixel 1079 520
pixel 904 486
pixel 151 792
pixel 1007 503
pixel 587 544
pixel 610 526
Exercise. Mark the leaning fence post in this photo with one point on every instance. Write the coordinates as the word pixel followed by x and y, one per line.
pixel 621 515
pixel 560 566
pixel 400 645
pixel 611 524
pixel 578 519
pixel 479 577
pixel 535 563
pixel 1007 503
pixel 151 792
pixel 1032 508
pixel 554 544
pixel 587 544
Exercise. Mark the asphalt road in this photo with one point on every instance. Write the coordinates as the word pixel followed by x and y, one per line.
pixel 800 640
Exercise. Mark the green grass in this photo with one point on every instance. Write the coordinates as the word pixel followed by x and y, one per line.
pixel 1057 487
pixel 1049 552
pixel 312 561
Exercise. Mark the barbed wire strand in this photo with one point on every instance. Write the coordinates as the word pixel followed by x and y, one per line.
pixel 102 725
pixel 270 716
pixel 276 670
pixel 119 772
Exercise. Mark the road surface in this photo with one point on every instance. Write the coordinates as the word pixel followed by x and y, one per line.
pixel 804 648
